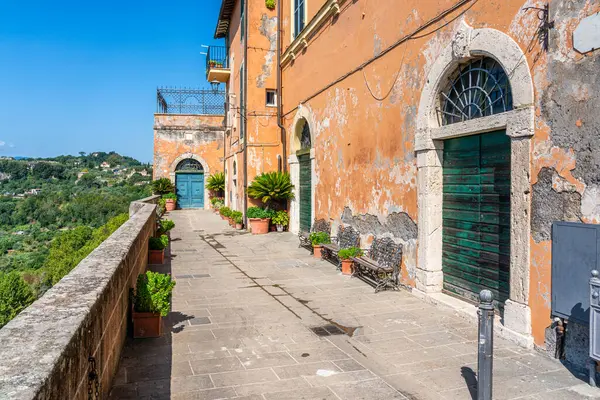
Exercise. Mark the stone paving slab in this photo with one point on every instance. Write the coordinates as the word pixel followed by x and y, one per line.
pixel 257 318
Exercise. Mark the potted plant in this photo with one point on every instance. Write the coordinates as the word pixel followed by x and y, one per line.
pixel 157 247
pixel 162 186
pixel 162 207
pixel 318 239
pixel 272 188
pixel 281 219
pixel 151 302
pixel 225 212
pixel 270 4
pixel 259 220
pixel 216 184
pixel 164 227
pixel 170 200
pixel 346 255
pixel 238 218
pixel 212 63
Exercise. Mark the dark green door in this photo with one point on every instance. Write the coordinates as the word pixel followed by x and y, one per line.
pixel 305 192
pixel 476 216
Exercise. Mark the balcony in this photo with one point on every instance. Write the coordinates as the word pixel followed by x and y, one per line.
pixel 190 101
pixel 217 64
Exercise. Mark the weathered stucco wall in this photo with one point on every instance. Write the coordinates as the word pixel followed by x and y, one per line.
pixel 263 139
pixel 364 123
pixel 45 349
pixel 185 135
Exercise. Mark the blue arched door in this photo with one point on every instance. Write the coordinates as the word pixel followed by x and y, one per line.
pixel 189 181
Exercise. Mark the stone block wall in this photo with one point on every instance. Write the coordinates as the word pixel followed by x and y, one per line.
pixel 44 351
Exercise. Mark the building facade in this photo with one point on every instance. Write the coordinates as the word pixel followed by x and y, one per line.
pixel 462 129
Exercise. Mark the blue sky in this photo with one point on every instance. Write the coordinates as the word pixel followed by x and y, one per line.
pixel 82 75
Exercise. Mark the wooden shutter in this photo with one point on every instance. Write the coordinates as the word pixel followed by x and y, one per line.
pixel 305 192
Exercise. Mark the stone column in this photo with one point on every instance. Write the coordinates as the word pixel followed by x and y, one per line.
pixel 294 204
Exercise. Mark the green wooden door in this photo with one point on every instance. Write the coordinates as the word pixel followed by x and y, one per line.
pixel 476 216
pixel 305 192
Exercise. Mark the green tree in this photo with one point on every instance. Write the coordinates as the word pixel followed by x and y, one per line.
pixel 15 296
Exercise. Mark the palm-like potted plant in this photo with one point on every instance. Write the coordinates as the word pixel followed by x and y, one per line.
pixel 152 301
pixel 157 247
pixel 170 200
pixel 281 219
pixel 216 184
pixel 238 218
pixel 346 255
pixel 259 220
pixel 318 239
pixel 162 186
pixel 272 188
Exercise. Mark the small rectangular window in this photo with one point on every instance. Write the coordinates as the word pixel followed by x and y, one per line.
pixel 299 16
pixel 271 98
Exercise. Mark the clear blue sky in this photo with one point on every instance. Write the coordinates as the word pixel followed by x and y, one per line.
pixel 82 75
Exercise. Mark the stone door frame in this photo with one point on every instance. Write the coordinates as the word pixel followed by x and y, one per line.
pixel 468 43
pixel 303 113
pixel 205 167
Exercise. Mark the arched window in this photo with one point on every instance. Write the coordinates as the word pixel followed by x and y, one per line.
pixel 305 136
pixel 189 165
pixel 477 89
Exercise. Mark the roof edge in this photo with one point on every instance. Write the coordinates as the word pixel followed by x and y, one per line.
pixel 224 18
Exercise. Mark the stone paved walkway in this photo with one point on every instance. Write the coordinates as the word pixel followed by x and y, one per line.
pixel 244 312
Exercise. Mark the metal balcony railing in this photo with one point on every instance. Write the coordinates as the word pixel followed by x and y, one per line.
pixel 217 57
pixel 190 101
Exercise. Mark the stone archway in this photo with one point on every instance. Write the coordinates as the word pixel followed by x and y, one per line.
pixel 469 43
pixel 205 167
pixel 304 116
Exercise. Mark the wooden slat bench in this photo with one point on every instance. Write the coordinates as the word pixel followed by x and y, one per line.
pixel 320 225
pixel 381 266
pixel 347 237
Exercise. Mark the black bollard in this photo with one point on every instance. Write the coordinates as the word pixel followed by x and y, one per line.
pixel 485 357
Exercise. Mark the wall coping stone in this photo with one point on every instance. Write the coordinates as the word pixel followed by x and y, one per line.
pixel 39 342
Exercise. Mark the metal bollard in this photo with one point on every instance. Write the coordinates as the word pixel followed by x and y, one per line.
pixel 485 357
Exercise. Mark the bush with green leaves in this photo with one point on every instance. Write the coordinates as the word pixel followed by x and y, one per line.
pixel 347 254
pixel 162 206
pixel 15 296
pixel 153 293
pixel 164 240
pixel 319 238
pixel 170 196
pixel 237 216
pixel 259 213
pixel 162 186
pixel 272 188
pixel 281 218
pixel 215 200
pixel 157 243
pixel 225 211
pixel 270 4
pixel 216 182
pixel 165 226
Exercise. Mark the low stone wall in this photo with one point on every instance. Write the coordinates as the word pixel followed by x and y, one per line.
pixel 44 352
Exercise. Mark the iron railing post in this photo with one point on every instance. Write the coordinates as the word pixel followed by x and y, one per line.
pixel 485 355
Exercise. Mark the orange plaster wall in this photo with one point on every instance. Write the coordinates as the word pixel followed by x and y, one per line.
pixel 364 147
pixel 170 141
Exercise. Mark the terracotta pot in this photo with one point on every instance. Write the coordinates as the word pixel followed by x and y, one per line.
pixel 239 226
pixel 156 257
pixel 347 267
pixel 231 222
pixel 147 325
pixel 259 226
pixel 170 204
pixel 317 251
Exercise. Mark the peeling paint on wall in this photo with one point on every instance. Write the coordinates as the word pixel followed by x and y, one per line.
pixel 268 28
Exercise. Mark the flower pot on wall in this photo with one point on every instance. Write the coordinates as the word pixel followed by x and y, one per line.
pixel 156 257
pixel 147 325
pixel 170 204
pixel 317 251
pixel 259 226
pixel 347 267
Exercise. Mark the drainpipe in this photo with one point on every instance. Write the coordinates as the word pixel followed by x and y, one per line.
pixel 280 92
pixel 245 103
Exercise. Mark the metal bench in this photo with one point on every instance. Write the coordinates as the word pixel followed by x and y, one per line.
pixel 320 225
pixel 380 267
pixel 347 237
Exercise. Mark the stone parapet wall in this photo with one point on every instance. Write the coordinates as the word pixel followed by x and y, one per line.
pixel 44 351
